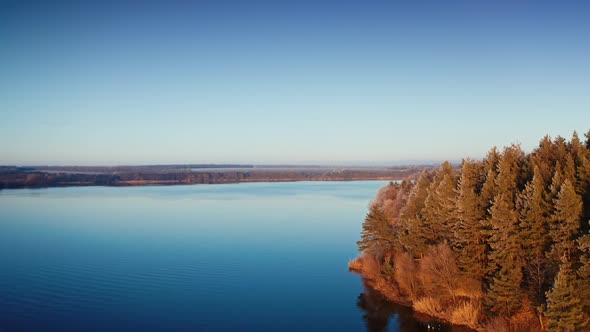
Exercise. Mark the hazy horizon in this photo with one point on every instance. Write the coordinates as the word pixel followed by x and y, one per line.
pixel 310 164
pixel 266 82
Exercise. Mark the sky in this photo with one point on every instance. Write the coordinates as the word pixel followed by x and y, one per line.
pixel 287 82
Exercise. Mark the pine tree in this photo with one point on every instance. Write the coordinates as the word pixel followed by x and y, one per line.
pixel 377 234
pixel 583 286
pixel 574 146
pixel 410 226
pixel 504 295
pixel 533 211
pixel 561 149
pixel 440 205
pixel 509 169
pixel 569 170
pixel 583 183
pixel 488 192
pixel 565 222
pixel 505 259
pixel 583 171
pixel 470 241
pixel 564 308
pixel 556 182
pixel 490 188
pixel 544 157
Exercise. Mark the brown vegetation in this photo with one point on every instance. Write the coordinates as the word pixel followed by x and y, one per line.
pixel 39 177
pixel 501 244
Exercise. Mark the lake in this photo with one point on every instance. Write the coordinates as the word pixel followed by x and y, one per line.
pixel 235 257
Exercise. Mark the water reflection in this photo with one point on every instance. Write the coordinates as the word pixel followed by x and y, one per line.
pixel 383 315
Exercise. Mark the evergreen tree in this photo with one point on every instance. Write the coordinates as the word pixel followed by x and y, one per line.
pixel 564 308
pixel 565 222
pixel 488 192
pixel 583 184
pixel 561 150
pixel 569 170
pixel 556 182
pixel 574 147
pixel 544 157
pixel 583 171
pixel 505 260
pixel 470 241
pixel 489 189
pixel 440 204
pixel 504 297
pixel 533 211
pixel 509 169
pixel 377 234
pixel 411 232
pixel 584 271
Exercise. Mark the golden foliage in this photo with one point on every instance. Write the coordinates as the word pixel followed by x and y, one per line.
pixel 428 305
pixel 405 273
pixel 469 288
pixel 466 313
pixel 356 264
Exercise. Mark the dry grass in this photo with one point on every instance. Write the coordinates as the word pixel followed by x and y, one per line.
pixel 366 264
pixel 356 264
pixel 428 305
pixel 405 274
pixel 469 288
pixel 466 313
pixel 438 271
pixel 371 267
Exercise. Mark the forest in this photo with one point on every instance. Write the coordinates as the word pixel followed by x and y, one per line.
pixel 12 177
pixel 499 244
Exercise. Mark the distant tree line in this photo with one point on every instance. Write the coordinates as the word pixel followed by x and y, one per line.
pixel 501 243
pixel 12 177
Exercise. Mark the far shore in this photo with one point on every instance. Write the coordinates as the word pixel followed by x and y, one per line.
pixel 123 176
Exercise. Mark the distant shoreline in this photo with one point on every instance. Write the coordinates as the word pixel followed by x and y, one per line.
pixel 125 176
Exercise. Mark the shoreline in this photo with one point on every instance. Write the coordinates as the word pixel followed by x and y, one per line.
pixel 145 175
pixel 380 285
pixel 167 184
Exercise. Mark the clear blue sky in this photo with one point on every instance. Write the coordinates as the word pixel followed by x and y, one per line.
pixel 300 82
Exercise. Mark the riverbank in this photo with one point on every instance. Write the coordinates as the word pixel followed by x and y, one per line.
pixel 464 320
pixel 62 176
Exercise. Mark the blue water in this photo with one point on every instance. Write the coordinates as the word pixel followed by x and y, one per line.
pixel 236 257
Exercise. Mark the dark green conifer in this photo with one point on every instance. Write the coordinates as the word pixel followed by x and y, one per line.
pixel 470 240
pixel 561 150
pixel 569 170
pixel 440 207
pixel 584 272
pixel 564 308
pixel 411 233
pixel 377 234
pixel 504 297
pixel 533 215
pixel 505 259
pixel 544 157
pixel 556 181
pixel 565 222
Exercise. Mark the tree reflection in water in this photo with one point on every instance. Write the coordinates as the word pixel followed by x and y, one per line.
pixel 382 315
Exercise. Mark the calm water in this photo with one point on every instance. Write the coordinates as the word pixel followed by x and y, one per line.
pixel 238 257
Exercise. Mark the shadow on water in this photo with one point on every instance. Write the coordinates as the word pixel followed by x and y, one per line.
pixel 382 315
